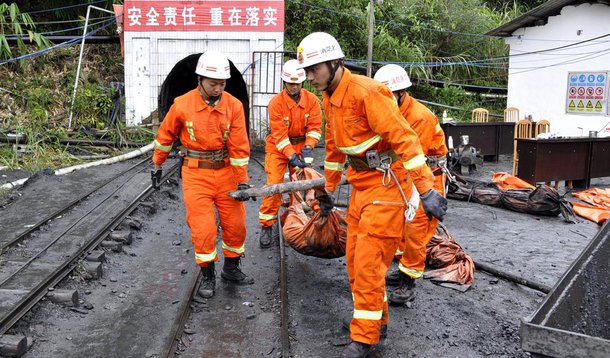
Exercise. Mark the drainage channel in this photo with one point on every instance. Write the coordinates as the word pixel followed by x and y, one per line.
pixel 27 274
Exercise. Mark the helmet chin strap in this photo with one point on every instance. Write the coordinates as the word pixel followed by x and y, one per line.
pixel 211 99
pixel 333 71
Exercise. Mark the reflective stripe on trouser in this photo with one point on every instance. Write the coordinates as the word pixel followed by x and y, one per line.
pixel 275 167
pixel 203 189
pixel 375 223
pixel 417 236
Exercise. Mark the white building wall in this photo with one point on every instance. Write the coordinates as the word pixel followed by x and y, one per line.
pixel 150 56
pixel 538 82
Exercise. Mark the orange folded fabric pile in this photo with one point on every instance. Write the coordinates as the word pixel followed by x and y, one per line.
pixel 317 236
pixel 599 210
pixel 447 263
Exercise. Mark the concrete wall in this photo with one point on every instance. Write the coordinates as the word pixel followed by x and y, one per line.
pixel 150 56
pixel 538 83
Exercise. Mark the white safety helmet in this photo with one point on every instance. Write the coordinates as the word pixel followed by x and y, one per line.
pixel 393 76
pixel 213 64
pixel 291 73
pixel 318 47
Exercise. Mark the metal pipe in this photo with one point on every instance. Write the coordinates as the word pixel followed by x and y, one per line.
pixel 511 277
pixel 80 58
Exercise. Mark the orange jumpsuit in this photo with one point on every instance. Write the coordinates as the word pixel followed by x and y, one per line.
pixel 202 127
pixel 361 115
pixel 287 120
pixel 421 229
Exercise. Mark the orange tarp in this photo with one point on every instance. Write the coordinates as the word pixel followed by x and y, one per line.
pixel 506 182
pixel 599 210
pixel 446 261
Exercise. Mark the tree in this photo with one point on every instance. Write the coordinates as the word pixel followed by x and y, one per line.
pixel 15 24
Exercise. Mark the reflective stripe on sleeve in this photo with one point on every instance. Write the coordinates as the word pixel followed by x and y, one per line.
pixel 281 145
pixel 360 148
pixel 410 272
pixel 314 135
pixel 415 162
pixel 239 250
pixel 163 148
pixel 371 315
pixel 333 166
pixel 239 162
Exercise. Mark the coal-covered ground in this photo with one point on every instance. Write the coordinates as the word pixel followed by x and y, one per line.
pixel 136 299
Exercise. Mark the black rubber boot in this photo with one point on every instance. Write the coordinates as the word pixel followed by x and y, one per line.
pixel 356 349
pixel 265 239
pixel 231 272
pixel 208 281
pixel 392 278
pixel 405 292
pixel 384 328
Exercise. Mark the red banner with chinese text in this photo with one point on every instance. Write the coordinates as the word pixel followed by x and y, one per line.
pixel 185 15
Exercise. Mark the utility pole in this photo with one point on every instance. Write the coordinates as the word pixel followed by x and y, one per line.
pixel 369 57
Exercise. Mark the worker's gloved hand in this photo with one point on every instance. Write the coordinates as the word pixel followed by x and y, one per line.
pixel 307 153
pixel 326 202
pixel 244 196
pixel 296 161
pixel 434 204
pixel 155 176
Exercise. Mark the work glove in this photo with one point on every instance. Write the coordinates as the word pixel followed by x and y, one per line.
pixel 326 202
pixel 307 153
pixel 296 161
pixel 155 177
pixel 243 196
pixel 434 204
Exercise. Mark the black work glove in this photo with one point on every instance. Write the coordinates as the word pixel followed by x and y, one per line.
pixel 296 161
pixel 434 204
pixel 244 196
pixel 155 177
pixel 326 202
pixel 307 153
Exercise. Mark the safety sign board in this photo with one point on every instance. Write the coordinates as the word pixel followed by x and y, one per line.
pixel 587 93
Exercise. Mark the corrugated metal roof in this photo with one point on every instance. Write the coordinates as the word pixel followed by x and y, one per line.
pixel 538 16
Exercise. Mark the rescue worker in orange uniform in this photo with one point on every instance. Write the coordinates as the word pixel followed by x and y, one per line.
pixel 412 249
pixel 365 127
pixel 211 126
pixel 295 123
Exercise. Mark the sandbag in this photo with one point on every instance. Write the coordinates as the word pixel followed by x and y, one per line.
pixel 317 236
pixel 447 262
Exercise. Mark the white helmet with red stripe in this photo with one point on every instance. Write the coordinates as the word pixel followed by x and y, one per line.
pixel 318 47
pixel 213 64
pixel 291 73
pixel 393 76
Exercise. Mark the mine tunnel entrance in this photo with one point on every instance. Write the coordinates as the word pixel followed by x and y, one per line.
pixel 182 78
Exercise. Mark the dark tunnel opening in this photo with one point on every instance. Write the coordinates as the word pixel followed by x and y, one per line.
pixel 182 78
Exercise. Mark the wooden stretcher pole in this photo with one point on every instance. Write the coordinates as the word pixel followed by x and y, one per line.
pixel 269 190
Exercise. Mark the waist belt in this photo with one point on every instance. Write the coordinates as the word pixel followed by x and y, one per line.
pixel 204 164
pixel 436 164
pixel 211 155
pixel 361 164
pixel 296 140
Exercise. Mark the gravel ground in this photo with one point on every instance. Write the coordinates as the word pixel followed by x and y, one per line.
pixel 135 300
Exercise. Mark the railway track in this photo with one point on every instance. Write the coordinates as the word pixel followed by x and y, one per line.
pixel 29 270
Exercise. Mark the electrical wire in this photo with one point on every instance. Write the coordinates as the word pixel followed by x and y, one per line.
pixel 63 7
pixel 109 19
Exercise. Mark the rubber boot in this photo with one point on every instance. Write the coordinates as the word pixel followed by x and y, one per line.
pixel 356 349
pixel 231 272
pixel 392 278
pixel 208 281
pixel 405 291
pixel 347 321
pixel 265 239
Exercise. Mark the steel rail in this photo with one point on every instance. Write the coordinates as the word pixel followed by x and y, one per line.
pixel 66 207
pixel 36 294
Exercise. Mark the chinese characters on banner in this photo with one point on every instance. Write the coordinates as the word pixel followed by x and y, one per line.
pixel 587 92
pixel 184 15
